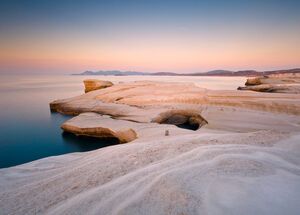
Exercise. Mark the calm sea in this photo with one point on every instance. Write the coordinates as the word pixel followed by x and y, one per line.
pixel 29 131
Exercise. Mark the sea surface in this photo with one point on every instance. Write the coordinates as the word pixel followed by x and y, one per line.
pixel 29 131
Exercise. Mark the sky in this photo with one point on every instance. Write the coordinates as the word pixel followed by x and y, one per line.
pixel 71 36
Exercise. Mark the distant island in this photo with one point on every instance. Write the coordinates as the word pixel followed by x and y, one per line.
pixel 210 73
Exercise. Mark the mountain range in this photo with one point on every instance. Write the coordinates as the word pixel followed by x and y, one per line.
pixel 210 73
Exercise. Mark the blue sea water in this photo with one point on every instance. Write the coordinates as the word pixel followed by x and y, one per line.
pixel 29 131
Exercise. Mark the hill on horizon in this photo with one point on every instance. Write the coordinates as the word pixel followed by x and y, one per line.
pixel 209 73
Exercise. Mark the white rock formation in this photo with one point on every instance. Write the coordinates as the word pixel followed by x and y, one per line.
pixel 246 160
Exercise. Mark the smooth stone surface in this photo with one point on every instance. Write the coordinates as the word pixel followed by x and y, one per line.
pixel 206 173
pixel 105 127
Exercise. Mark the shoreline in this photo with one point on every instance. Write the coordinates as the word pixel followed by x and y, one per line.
pixel 242 156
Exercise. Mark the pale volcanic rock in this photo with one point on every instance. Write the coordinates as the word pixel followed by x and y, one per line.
pixel 94 84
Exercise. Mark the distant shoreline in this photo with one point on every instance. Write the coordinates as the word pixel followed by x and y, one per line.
pixel 222 73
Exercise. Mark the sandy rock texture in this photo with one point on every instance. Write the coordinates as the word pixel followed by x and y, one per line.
pixel 278 83
pixel 94 84
pixel 244 158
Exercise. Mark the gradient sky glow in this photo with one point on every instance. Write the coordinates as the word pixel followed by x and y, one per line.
pixel 70 36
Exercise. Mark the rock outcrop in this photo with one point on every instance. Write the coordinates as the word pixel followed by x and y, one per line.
pixel 274 88
pixel 277 83
pixel 142 101
pixel 103 126
pixel 94 125
pixel 94 84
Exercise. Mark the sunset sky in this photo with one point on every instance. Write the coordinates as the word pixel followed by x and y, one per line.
pixel 70 36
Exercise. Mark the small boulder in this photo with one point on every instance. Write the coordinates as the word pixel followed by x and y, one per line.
pixel 94 84
pixel 253 81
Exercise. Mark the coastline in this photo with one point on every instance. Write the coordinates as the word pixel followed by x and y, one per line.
pixel 247 154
